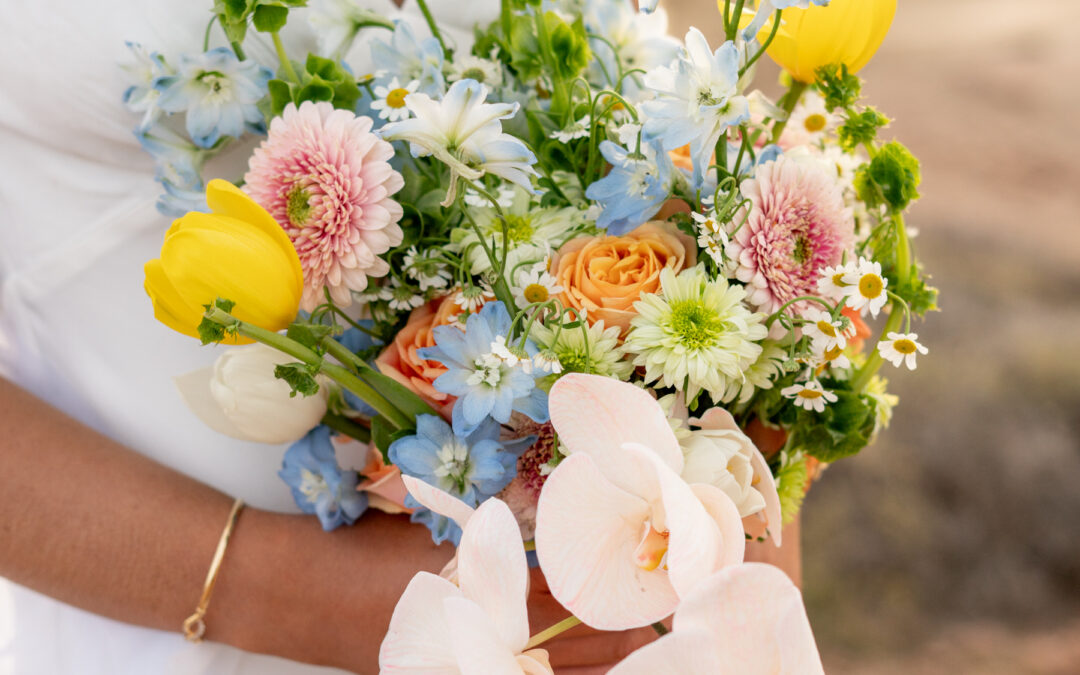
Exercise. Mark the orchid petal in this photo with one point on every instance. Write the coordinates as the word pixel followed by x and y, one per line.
pixel 493 572
pixel 766 485
pixel 438 501
pixel 587 529
pixel 477 642
pixel 726 514
pixel 596 415
pixel 418 640
pixel 685 653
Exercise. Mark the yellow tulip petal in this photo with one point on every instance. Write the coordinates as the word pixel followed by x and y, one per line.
pixel 169 308
pixel 225 198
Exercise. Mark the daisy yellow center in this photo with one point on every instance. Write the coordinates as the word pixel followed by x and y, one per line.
pixel 814 123
pixel 870 286
pixel 811 393
pixel 831 354
pixel 838 279
pixel 473 74
pixel 904 346
pixel 826 328
pixel 297 207
pixel 694 325
pixel 536 293
pixel 396 97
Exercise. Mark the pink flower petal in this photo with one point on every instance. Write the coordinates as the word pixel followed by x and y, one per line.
pixel 477 641
pixel 685 653
pixel 418 640
pixel 726 516
pixel 438 501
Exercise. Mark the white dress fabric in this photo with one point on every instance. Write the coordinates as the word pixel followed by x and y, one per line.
pixel 77 222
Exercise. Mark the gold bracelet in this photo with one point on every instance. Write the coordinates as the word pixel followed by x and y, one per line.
pixel 195 625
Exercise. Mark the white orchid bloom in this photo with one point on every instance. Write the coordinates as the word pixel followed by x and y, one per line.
pixel 747 619
pixel 477 625
pixel 620 536
pixel 465 133
pixel 240 397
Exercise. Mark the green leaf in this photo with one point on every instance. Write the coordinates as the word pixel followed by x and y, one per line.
pixel 791 487
pixel 300 377
pixel 843 429
pixel 524 49
pixel 310 335
pixel 382 435
pixel 840 88
pixel 316 90
pixel 212 331
pixel 270 18
pixel 327 80
pixel 920 296
pixel 281 95
pixel 569 45
pixel 860 128
pixel 895 173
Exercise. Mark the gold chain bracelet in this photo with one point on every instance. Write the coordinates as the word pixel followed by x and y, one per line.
pixel 195 625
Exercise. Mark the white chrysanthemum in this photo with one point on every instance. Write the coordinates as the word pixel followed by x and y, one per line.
pixel 811 396
pixel 695 334
pixel 901 348
pixel 599 353
pixel 390 99
pixel 760 375
pixel 865 288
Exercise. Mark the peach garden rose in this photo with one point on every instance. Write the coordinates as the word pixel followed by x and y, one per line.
pixel 606 275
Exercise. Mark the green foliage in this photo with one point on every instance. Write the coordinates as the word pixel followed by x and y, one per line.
pixel 569 46
pixel 310 335
pixel 920 296
pixel 321 80
pixel 268 15
pixel 270 18
pixel 383 434
pixel 524 49
pixel 211 331
pixel 892 178
pixel 791 479
pixel 861 127
pixel 300 377
pixel 840 88
pixel 843 429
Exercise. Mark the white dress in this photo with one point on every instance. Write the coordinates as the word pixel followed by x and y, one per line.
pixel 77 222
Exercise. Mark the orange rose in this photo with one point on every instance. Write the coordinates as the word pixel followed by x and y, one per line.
pixel 606 275
pixel 401 362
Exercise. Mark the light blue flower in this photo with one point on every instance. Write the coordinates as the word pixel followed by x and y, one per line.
pixel 471 467
pixel 623 35
pixel 634 189
pixel 141 96
pixel 218 92
pixel 697 99
pixel 483 374
pixel 410 59
pixel 177 200
pixel 746 167
pixel 178 168
pixel 318 484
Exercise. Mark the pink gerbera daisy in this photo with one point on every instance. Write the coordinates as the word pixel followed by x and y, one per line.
pixel 798 225
pixel 325 178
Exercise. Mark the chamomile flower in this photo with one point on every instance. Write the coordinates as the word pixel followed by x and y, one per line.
pixel 696 334
pixel 831 283
pixel 810 122
pixel 578 129
pixel 901 348
pixel 712 238
pixel 832 357
pixel 472 298
pixel 595 349
pixel 865 287
pixel 504 197
pixel 809 396
pixel 627 134
pixel 426 269
pixel 535 285
pixel 824 331
pixel 403 297
pixel 469 67
pixel 547 361
pixel 390 99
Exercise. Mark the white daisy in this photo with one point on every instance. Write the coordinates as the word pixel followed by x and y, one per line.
pixel 865 287
pixel 824 331
pixel 810 122
pixel 831 282
pixel 535 285
pixel 390 99
pixel 472 298
pixel 547 361
pixel 469 67
pixel 810 396
pixel 428 271
pixel 901 348
pixel 832 357
pixel 578 129
pixel 403 297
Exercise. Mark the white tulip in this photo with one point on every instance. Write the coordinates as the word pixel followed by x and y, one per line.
pixel 240 397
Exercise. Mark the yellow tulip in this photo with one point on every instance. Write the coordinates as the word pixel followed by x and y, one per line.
pixel 238 252
pixel 844 31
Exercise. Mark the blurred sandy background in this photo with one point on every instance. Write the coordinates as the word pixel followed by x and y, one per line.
pixel 953 544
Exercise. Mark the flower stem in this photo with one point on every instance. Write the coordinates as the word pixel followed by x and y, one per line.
pixel 339 374
pixel 765 46
pixel 788 103
pixel 548 633
pixel 660 628
pixel 732 26
pixel 347 427
pixel 432 25
pixel 286 64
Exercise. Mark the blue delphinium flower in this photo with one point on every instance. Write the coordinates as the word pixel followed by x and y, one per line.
pixel 483 374
pixel 410 59
pixel 471 467
pixel 697 99
pixel 318 484
pixel 746 168
pixel 635 188
pixel 141 96
pixel 218 92
pixel 178 168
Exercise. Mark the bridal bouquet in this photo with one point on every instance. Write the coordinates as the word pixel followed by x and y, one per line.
pixel 565 289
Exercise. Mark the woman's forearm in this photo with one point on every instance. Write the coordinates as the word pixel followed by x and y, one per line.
pixel 98 526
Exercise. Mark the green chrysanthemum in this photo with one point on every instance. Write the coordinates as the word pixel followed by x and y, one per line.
pixel 695 334
pixel 602 354
pixel 791 487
